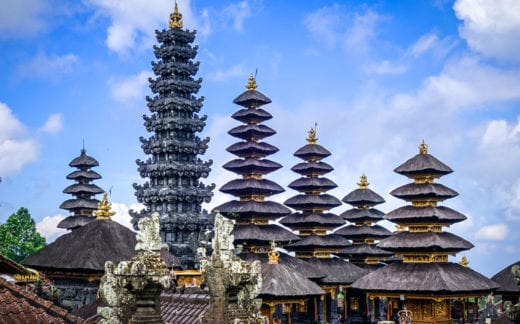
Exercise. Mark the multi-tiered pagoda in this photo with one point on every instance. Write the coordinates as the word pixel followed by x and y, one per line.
pixel 364 233
pixel 425 282
pixel 82 206
pixel 313 224
pixel 252 212
pixel 173 169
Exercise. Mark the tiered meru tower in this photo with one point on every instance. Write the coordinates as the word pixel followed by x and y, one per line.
pixel 173 170
pixel 425 282
pixel 364 233
pixel 82 206
pixel 252 212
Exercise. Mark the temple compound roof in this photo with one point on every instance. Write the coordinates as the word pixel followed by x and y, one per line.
pixel 84 202
pixel 423 245
pixel 509 285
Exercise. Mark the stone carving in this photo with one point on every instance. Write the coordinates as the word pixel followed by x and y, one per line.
pixel 132 289
pixel 233 283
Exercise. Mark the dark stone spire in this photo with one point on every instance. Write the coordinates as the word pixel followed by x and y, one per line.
pixel 173 169
pixel 82 206
pixel 252 212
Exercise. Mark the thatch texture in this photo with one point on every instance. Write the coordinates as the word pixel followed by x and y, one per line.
pixel 505 279
pixel 312 152
pixel 424 190
pixel 361 215
pixel 263 234
pixel 312 168
pixel 280 281
pixel 313 202
pixel 312 184
pixel 248 149
pixel 88 174
pixel 360 232
pixel 426 278
pixel 428 241
pixel 86 248
pixel 363 197
pixel 250 165
pixel 251 116
pixel 319 241
pixel 248 187
pixel 339 271
pixel 423 164
pixel 84 161
pixel 427 214
pixel 251 131
pixel 80 203
pixel 251 98
pixel 312 219
pixel 78 188
pixel 363 250
pixel 75 221
pixel 298 265
pixel 252 208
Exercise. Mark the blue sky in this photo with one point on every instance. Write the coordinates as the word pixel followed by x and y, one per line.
pixel 377 77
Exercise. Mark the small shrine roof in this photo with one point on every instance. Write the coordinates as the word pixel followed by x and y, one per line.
pixel 425 241
pixel 251 98
pixel 505 279
pixel 83 160
pixel 280 281
pixel 423 164
pixel 434 214
pixel 312 152
pixel 339 271
pixel 363 197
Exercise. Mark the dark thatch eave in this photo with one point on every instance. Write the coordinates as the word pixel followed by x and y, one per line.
pixel 250 131
pixel 251 98
pixel 365 231
pixel 310 202
pixel 75 221
pixel 339 271
pixel 250 165
pixel 313 219
pixel 248 149
pixel 303 267
pixel 79 203
pixel 312 152
pixel 83 174
pixel 312 184
pixel 431 214
pixel 363 197
pixel 78 188
pixel 281 282
pixel 251 116
pixel 86 248
pixel 247 187
pixel 319 241
pixel 364 250
pixel 84 161
pixel 505 279
pixel 423 190
pixel 312 168
pixel 428 241
pixel 426 278
pixel 362 215
pixel 263 234
pixel 247 209
pixel 423 164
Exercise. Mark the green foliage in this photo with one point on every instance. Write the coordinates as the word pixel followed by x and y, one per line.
pixel 18 236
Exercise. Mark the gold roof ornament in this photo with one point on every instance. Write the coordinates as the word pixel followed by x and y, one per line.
pixel 103 212
pixel 273 254
pixel 251 83
pixel 312 139
pixel 175 18
pixel 464 261
pixel 423 148
pixel 363 183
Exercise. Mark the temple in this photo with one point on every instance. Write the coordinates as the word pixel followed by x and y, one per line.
pixel 173 169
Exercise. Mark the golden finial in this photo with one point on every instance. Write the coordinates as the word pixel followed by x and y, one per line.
pixel 175 18
pixel 251 83
pixel 363 183
pixel 273 254
pixel 312 139
pixel 464 261
pixel 103 212
pixel 423 148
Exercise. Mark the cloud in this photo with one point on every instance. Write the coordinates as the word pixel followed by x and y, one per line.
pixel 47 227
pixel 491 27
pixel 22 18
pixel 130 89
pixel 430 43
pixel 223 75
pixel 16 147
pixel 496 232
pixel 53 125
pixel 122 215
pixel 238 12
pixel 385 67
pixel 47 66
pixel 133 22
pixel 324 24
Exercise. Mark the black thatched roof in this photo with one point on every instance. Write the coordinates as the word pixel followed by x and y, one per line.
pixel 312 202
pixel 250 165
pixel 423 164
pixel 252 116
pixel 252 208
pixel 312 184
pixel 339 271
pixel 297 265
pixel 312 168
pixel 263 234
pixel 363 250
pixel 251 131
pixel 426 278
pixel 280 281
pixel 424 190
pixel 318 241
pixel 312 152
pixel 505 279
pixel 78 188
pixel 251 98
pixel 363 197
pixel 75 221
pixel 249 149
pixel 248 187
pixel 86 248
pixel 428 214
pixel 360 232
pixel 79 203
pixel 85 174
pixel 84 161
pixel 428 241
pixel 327 220
pixel 362 215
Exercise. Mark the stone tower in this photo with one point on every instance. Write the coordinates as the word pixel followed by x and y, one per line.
pixel 173 169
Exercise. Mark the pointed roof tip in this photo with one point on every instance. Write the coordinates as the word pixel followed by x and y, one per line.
pixel 423 148
pixel 312 139
pixel 251 83
pixel 175 18
pixel 104 211
pixel 363 182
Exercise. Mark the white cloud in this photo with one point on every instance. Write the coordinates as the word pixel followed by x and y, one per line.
pixel 362 30
pixel 122 215
pixel 491 27
pixel 22 18
pixel 223 75
pixel 495 232
pixel 323 24
pixel 53 125
pixel 47 227
pixel 386 67
pixel 48 66
pixel 131 89
pixel 430 43
pixel 238 13
pixel 16 147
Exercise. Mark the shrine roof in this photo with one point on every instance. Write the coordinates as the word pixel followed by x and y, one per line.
pixel 505 279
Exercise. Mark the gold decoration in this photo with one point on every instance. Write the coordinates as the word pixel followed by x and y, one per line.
pixel 424 203
pixel 363 183
pixel 312 139
pixel 251 83
pixel 464 261
pixel 175 18
pixel 425 228
pixel 273 254
pixel 424 179
pixel 423 148
pixel 425 258
pixel 103 212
